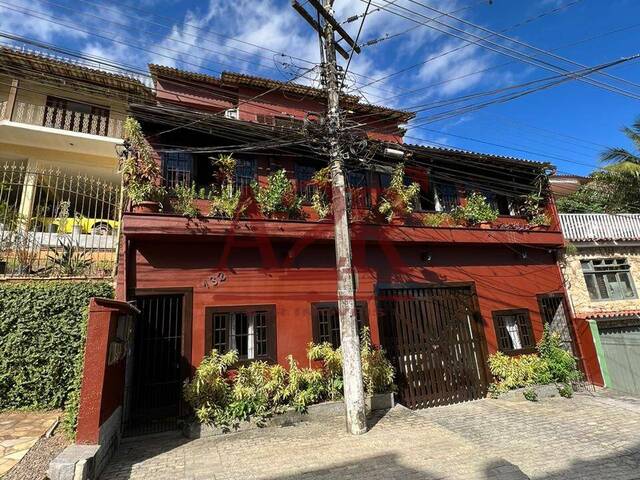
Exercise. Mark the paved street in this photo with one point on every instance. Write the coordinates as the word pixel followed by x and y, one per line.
pixel 589 436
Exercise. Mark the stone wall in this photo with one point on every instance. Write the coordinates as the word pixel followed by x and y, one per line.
pixel 577 287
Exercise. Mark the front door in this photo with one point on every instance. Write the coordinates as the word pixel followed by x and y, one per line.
pixel 157 365
pixel 435 341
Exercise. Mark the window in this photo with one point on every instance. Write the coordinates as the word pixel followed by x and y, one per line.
pixel 358 193
pixel 497 201
pixel 178 168
pixel 445 197
pixel 264 119
pixel 249 330
pixel 245 173
pixel 608 279
pixel 76 116
pixel 326 323
pixel 304 176
pixel 514 332
pixel 422 202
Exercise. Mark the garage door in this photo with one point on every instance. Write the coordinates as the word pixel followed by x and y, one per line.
pixel 621 350
pixel 433 337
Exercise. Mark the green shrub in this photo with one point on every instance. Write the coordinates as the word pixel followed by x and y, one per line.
pixel 562 365
pixel 517 372
pixel 278 196
pixel 42 332
pixel 476 210
pixel 565 391
pixel 258 390
pixel 530 394
pixel 183 200
pixel 552 364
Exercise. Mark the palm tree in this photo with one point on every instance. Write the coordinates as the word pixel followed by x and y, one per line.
pixel 622 160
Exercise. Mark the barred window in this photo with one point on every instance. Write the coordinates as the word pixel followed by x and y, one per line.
pixel 304 177
pixel 248 330
pixel 445 196
pixel 514 331
pixel 245 174
pixel 178 168
pixel 608 279
pixel 326 322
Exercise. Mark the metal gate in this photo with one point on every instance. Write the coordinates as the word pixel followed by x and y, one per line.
pixel 155 392
pixel 621 350
pixel 436 343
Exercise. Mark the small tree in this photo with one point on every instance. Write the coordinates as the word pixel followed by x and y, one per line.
pixel 277 196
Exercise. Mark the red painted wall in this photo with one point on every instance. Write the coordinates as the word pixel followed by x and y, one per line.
pixel 102 384
pixel 503 280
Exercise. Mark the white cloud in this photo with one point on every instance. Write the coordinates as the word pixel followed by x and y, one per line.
pixel 28 18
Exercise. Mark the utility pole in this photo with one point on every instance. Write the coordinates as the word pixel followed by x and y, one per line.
pixel 351 362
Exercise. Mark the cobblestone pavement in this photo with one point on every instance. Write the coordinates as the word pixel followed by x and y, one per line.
pixel 589 436
pixel 19 431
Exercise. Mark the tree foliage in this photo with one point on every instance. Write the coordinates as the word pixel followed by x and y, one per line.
pixel 616 189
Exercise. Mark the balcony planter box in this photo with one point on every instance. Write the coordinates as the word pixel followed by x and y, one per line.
pixel 315 413
pixel 146 207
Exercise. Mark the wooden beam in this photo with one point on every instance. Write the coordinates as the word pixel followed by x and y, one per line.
pixel 336 26
pixel 316 26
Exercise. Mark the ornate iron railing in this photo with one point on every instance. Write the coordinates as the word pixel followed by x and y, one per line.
pixel 64 119
pixel 589 227
pixel 56 224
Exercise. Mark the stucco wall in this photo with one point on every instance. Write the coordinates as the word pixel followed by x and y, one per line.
pixel 577 287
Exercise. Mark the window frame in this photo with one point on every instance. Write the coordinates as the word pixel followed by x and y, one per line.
pixel 271 330
pixel 244 186
pixel 530 347
pixel 188 172
pixel 305 186
pixel 614 294
pixel 315 323
pixel 438 200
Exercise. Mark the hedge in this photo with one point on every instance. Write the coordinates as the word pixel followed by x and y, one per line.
pixel 42 330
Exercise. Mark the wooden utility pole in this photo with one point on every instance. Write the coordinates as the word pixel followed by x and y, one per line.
pixel 351 362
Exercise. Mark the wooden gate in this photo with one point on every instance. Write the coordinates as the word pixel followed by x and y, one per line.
pixel 157 365
pixel 435 340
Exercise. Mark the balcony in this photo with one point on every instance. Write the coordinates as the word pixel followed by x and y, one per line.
pixel 600 227
pixel 64 119
pixel 56 225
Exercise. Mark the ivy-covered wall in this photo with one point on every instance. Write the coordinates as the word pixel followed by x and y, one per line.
pixel 42 329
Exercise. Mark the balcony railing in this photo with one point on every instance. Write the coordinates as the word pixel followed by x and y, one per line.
pixel 64 119
pixel 589 227
pixel 54 224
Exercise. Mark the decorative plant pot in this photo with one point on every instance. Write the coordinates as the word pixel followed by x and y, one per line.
pixel 146 207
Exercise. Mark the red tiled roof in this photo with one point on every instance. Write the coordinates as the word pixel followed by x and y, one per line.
pixel 614 314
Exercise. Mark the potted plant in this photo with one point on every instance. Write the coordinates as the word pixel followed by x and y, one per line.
pixel 277 199
pixel 226 200
pixel 438 219
pixel 532 207
pixel 398 199
pixel 476 212
pixel 140 171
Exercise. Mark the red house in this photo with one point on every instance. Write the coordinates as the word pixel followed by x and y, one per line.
pixel 438 297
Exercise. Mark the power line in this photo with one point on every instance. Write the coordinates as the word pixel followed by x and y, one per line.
pixel 519 42
pixel 501 49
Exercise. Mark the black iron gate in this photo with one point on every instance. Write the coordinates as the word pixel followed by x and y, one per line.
pixel 436 343
pixel 155 391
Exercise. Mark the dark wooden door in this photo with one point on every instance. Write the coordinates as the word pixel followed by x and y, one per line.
pixel 157 365
pixel 435 340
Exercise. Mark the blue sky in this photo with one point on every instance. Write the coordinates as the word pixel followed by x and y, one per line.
pixel 568 125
